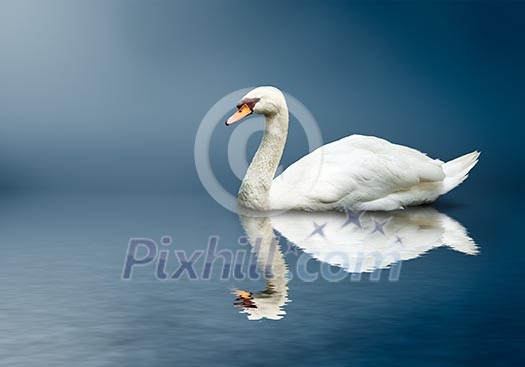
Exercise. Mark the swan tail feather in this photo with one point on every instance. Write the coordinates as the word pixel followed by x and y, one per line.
pixel 456 171
pixel 455 236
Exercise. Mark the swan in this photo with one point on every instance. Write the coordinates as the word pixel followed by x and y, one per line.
pixel 356 172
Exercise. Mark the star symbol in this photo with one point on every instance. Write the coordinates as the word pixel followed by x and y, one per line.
pixel 353 217
pixel 318 230
pixel 399 240
pixel 379 226
pixel 290 248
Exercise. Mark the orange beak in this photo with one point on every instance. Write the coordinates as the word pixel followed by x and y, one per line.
pixel 241 113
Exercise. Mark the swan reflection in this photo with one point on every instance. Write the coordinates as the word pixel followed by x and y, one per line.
pixel 270 261
pixel 355 242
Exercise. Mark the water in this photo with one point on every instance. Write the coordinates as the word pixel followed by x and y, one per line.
pixel 63 301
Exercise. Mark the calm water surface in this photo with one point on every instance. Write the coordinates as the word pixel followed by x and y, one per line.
pixel 63 302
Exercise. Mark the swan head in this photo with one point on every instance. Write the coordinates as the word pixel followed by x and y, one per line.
pixel 267 101
pixel 265 304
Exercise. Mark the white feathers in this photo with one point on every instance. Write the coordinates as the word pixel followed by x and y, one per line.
pixel 366 173
pixel 358 172
pixel 456 170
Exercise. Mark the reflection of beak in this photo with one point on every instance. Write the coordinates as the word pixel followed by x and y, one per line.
pixel 241 113
pixel 244 299
pixel 242 294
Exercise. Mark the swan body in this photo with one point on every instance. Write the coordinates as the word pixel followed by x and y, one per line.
pixel 366 173
pixel 356 172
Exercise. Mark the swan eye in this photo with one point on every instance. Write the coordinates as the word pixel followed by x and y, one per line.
pixel 250 102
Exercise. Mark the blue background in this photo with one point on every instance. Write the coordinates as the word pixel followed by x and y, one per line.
pixel 100 102
pixel 106 96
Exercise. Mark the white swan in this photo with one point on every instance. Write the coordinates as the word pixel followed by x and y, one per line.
pixel 358 172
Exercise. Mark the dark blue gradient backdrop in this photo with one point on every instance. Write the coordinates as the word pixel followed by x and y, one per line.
pixel 106 96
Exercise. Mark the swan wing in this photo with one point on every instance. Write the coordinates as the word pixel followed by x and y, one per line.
pixel 350 172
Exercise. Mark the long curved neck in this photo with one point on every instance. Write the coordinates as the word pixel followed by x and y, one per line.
pixel 255 188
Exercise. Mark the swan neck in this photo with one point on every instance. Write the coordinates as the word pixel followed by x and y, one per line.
pixel 255 188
